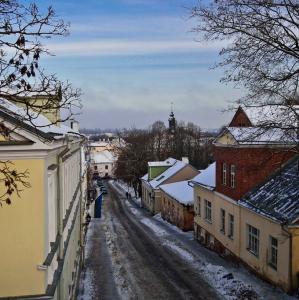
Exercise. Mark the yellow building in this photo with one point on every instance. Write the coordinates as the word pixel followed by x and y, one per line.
pixel 216 216
pixel 261 229
pixel 269 227
pixel 41 230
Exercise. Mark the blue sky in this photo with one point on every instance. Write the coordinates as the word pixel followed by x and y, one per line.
pixel 132 58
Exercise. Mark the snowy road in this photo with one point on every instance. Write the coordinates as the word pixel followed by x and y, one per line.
pixel 142 267
pixel 131 255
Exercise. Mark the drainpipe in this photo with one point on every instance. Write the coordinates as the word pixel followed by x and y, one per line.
pixel 60 208
pixel 82 246
pixel 290 255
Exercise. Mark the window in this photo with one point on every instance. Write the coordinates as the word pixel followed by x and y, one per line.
pixel 198 206
pixel 95 167
pixel 253 235
pixel 224 173
pixel 233 176
pixel 231 221
pixel 106 167
pixel 273 252
pixel 208 211
pixel 222 220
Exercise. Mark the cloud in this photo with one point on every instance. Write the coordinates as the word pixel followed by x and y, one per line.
pixel 129 47
pixel 151 25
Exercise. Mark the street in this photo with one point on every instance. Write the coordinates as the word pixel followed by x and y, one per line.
pixel 144 268
pixel 132 255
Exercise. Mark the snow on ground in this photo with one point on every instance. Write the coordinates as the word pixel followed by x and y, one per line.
pixel 154 227
pixel 231 282
pixel 123 188
pixel 132 209
pixel 186 255
pixel 188 234
pixel 118 270
pixel 225 284
pixel 87 278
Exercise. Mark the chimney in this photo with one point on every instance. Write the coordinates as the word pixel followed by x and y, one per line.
pixel 185 160
pixel 75 125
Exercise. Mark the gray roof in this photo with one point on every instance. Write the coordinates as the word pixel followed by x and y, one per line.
pixel 278 198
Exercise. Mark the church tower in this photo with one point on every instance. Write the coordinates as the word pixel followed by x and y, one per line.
pixel 171 121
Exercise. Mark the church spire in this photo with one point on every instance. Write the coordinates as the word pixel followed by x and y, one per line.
pixel 172 121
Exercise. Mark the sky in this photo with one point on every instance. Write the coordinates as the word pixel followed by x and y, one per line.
pixel 132 58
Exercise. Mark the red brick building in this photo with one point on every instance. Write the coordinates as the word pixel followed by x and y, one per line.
pixel 246 155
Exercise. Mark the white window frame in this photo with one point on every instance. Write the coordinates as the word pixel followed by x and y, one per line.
pixel 224 172
pixel 273 247
pixel 222 220
pixel 233 176
pixel 253 240
pixel 208 211
pixel 231 226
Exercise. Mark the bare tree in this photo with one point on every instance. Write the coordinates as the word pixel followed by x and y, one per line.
pixel 22 78
pixel 133 157
pixel 159 132
pixel 261 52
pixel 142 146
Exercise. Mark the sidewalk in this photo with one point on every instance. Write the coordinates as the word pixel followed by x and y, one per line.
pixel 96 280
pixel 231 281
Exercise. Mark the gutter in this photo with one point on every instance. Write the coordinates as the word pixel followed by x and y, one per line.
pixel 191 183
pixel 59 205
pixel 290 255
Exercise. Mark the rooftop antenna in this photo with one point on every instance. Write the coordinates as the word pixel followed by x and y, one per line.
pixel 171 106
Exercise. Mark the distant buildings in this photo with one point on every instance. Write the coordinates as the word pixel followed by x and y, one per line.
pixel 163 172
pixel 41 232
pixel 103 155
pixel 102 163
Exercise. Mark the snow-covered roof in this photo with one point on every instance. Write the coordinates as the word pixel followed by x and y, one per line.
pixel 176 167
pixel 180 191
pixel 272 114
pixel 207 177
pixel 37 120
pixel 145 177
pixel 258 135
pixel 278 198
pixel 165 163
pixel 103 157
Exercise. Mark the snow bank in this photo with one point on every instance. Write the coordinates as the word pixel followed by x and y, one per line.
pixel 155 228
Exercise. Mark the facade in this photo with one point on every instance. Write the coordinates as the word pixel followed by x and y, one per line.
pixel 163 172
pixel 177 204
pixel 102 163
pixel 269 225
pixel 246 158
pixel 41 232
pixel 103 155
